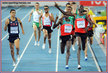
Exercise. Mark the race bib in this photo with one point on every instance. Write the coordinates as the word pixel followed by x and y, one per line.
pixel 68 29
pixel 81 24
pixel 36 18
pixel 47 21
pixel 14 30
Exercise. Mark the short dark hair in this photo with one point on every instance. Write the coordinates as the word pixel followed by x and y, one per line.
pixel 37 3
pixel 73 2
pixel 46 6
pixel 67 4
pixel 12 10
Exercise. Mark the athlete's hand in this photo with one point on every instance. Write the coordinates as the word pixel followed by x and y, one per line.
pixel 56 5
pixel 23 32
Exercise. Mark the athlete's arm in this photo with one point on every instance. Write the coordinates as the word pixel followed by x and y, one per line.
pixel 40 20
pixel 21 25
pixel 6 24
pixel 88 19
pixel 59 22
pixel 93 20
pixel 65 13
pixel 30 15
pixel 52 17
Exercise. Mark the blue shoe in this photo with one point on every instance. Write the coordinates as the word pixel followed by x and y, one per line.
pixel 86 58
pixel 66 67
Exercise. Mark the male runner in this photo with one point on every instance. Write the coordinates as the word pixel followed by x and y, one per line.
pixel 12 23
pixel 36 14
pixel 47 19
pixel 66 28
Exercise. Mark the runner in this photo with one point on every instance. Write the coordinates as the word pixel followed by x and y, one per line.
pixel 66 32
pixel 80 28
pixel 47 19
pixel 12 23
pixel 36 14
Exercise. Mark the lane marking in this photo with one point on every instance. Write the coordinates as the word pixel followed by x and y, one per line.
pixel 94 58
pixel 23 53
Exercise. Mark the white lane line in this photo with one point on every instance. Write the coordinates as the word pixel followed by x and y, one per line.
pixel 103 49
pixel 57 51
pixel 21 20
pixel 23 53
pixel 9 15
pixel 57 48
pixel 94 58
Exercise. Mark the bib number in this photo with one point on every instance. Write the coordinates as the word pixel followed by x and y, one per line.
pixel 81 24
pixel 14 30
pixel 68 29
pixel 47 22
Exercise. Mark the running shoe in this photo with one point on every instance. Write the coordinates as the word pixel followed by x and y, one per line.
pixel 79 67
pixel 14 63
pixel 86 58
pixel 66 67
pixel 35 43
pixel 43 47
pixel 38 44
pixel 49 51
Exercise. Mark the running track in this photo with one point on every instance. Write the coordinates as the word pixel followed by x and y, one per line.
pixel 33 58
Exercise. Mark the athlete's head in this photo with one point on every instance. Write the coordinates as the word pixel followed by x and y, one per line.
pixel 12 12
pixel 81 9
pixel 37 5
pixel 87 10
pixel 69 9
pixel 73 4
pixel 46 8
pixel 67 5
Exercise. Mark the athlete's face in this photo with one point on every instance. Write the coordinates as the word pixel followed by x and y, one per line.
pixel 46 9
pixel 67 6
pixel 37 6
pixel 69 9
pixel 13 13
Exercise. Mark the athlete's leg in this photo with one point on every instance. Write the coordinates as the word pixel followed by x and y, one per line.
pixel 39 33
pixel 35 28
pixel 79 50
pixel 91 40
pixel 45 36
pixel 68 46
pixel 12 52
pixel 49 40
pixel 17 42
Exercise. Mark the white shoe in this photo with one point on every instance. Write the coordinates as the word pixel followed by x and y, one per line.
pixel 35 43
pixel 79 67
pixel 38 44
pixel 18 57
pixel 73 48
pixel 14 63
pixel 49 51
pixel 43 47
